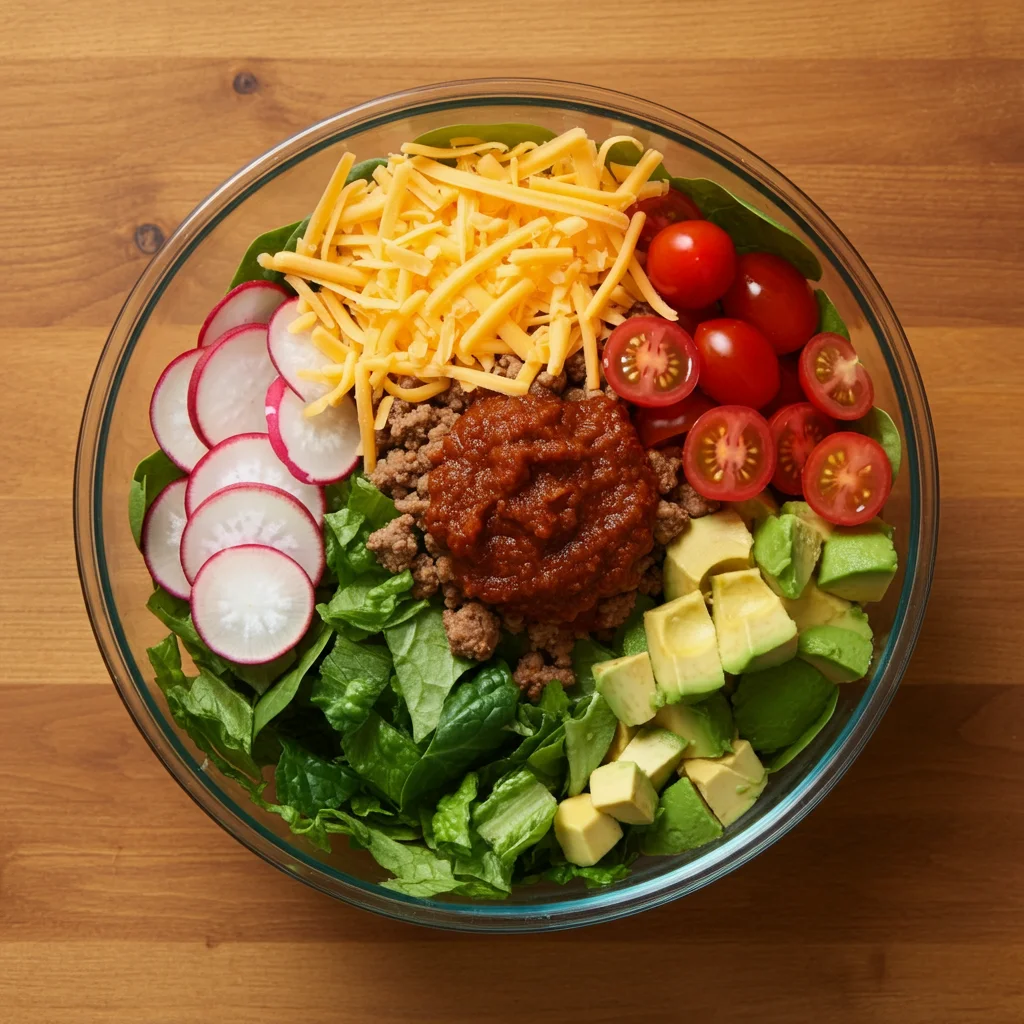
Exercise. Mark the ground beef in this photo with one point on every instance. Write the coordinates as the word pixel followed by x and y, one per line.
pixel 694 505
pixel 665 463
pixel 409 429
pixel 614 611
pixel 452 595
pixel 651 583
pixel 508 366
pixel 532 675
pixel 455 398
pixel 424 575
pixel 671 522
pixel 395 545
pixel 554 640
pixel 545 385
pixel 473 631
pixel 574 394
pixel 576 369
pixel 413 505
pixel 398 473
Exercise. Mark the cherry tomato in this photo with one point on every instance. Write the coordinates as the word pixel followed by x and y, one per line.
pixel 691 319
pixel 796 430
pixel 729 454
pixel 834 379
pixel 656 426
pixel 651 361
pixel 661 211
pixel 691 263
pixel 847 478
pixel 774 296
pixel 790 390
pixel 737 365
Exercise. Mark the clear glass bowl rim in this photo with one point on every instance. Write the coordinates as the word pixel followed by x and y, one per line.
pixel 591 906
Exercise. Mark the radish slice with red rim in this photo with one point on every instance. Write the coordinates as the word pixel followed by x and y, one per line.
pixel 316 449
pixel 168 412
pixel 251 604
pixel 252 514
pixel 291 353
pixel 251 302
pixel 228 386
pixel 248 459
pixel 161 539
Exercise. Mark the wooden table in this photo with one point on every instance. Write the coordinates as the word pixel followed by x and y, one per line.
pixel 900 899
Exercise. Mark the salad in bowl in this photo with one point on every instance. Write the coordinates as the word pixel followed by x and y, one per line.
pixel 517 514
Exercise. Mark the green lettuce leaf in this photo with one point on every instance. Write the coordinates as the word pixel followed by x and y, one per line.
pixel 151 476
pixel 585 655
pixel 282 693
pixel 309 783
pixel 594 876
pixel 450 824
pixel 352 677
pixel 588 735
pixel 517 814
pixel 381 755
pixel 548 762
pixel 367 605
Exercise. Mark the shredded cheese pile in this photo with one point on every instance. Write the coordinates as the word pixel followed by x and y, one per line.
pixel 433 271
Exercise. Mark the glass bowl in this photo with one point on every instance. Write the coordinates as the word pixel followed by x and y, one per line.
pixel 161 317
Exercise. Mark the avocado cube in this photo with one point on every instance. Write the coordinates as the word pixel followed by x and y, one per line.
pixel 584 833
pixel 656 752
pixel 786 550
pixel 624 791
pixel 754 631
pixel 744 762
pixel 804 512
pixel 628 686
pixel 728 792
pixel 683 649
pixel 853 618
pixel 755 510
pixel 774 707
pixel 859 562
pixel 815 607
pixel 623 734
pixel 841 655
pixel 706 726
pixel 683 822
pixel 715 543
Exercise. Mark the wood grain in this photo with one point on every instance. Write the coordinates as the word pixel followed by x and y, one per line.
pixel 899 899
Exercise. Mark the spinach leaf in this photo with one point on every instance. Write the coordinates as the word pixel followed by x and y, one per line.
pixel 628 155
pixel 510 134
pixel 879 425
pixel 275 240
pixel 594 877
pixel 783 757
pixel 151 476
pixel 365 804
pixel 450 825
pixel 308 783
pixel 166 661
pixel 588 735
pixel 381 755
pixel 632 625
pixel 281 694
pixel 585 655
pixel 473 722
pixel 516 815
pixel 363 171
pixel 366 605
pixel 425 666
pixel 536 727
pixel 829 319
pixel 352 677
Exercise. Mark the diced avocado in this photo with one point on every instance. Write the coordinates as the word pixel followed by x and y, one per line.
pixel 755 510
pixel 744 762
pixel 623 734
pixel 712 544
pixel 878 424
pixel 854 618
pixel 728 792
pixel 683 822
pixel 772 708
pixel 814 607
pixel 858 562
pixel 656 751
pixel 624 791
pixel 840 655
pixel 628 686
pixel 754 631
pixel 803 511
pixel 787 754
pixel 786 550
pixel 584 833
pixel 634 640
pixel 707 727
pixel 683 649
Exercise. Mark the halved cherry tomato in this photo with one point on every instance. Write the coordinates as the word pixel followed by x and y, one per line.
pixel 796 430
pixel 790 390
pixel 737 365
pixel 774 296
pixel 661 211
pixel 691 263
pixel 834 379
pixel 729 454
pixel 847 478
pixel 651 361
pixel 656 426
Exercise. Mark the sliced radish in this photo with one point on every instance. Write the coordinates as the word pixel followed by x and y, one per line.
pixel 228 386
pixel 252 514
pixel 248 459
pixel 251 302
pixel 252 603
pixel 161 539
pixel 168 412
pixel 293 352
pixel 318 449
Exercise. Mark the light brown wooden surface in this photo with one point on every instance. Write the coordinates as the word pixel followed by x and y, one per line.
pixel 900 899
